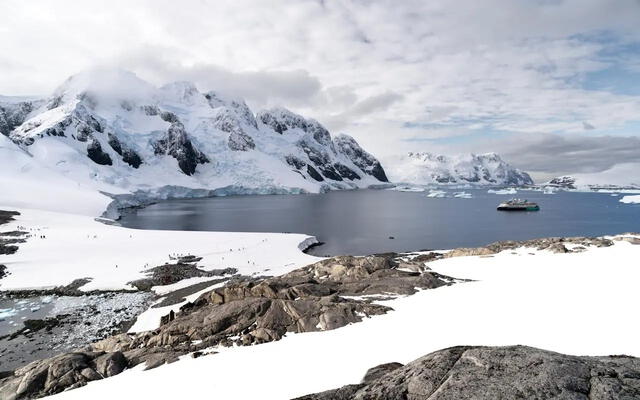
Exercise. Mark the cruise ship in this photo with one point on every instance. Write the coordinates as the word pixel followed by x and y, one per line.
pixel 518 205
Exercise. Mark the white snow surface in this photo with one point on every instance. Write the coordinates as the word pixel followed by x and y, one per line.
pixel 623 175
pixel 631 199
pixel 476 169
pixel 77 246
pixel 574 313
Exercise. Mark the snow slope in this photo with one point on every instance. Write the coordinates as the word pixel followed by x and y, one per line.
pixel 583 309
pixel 476 169
pixel 625 175
pixel 108 130
pixel 76 246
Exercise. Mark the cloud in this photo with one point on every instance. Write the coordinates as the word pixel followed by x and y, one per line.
pixel 367 68
pixel 548 155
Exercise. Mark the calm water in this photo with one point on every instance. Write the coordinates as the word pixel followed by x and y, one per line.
pixel 362 221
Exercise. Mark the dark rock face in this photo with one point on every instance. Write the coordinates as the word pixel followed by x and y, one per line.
pixel 281 120
pixel 314 174
pixel 227 121
pixel 176 143
pixel 13 115
pixel 366 162
pixel 128 155
pixel 321 159
pixel 244 312
pixel 346 172
pixel 95 153
pixel 567 182
pixel 295 162
pixel 515 372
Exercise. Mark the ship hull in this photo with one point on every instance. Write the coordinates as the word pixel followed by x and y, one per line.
pixel 516 208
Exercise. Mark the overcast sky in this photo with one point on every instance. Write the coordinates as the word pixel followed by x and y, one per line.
pixel 553 85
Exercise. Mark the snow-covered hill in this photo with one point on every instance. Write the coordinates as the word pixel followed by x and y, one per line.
pixel 109 130
pixel 476 169
pixel 620 176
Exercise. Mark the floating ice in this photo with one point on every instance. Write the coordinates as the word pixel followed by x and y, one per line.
pixel 503 191
pixel 463 195
pixel 7 312
pixel 437 193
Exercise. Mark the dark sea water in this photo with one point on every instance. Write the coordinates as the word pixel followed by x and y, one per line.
pixel 362 221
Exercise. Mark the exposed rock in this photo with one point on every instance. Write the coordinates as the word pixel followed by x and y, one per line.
pixel 95 153
pixel 66 371
pixel 183 268
pixel 363 160
pixel 379 371
pixel 128 155
pixel 13 115
pixel 177 144
pixel 566 182
pixel 244 312
pixel 346 172
pixel 7 216
pixel 314 174
pixel 554 244
pixel 515 372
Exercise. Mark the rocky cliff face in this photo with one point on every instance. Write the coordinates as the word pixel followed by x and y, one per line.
pixel 475 169
pixel 515 372
pixel 119 130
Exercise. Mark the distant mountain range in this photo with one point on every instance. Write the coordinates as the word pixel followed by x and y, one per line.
pixel 619 176
pixel 476 169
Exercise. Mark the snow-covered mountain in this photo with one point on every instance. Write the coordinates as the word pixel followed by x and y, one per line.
pixel 623 176
pixel 476 169
pixel 112 131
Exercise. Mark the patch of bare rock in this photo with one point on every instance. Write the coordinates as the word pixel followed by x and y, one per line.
pixel 515 372
pixel 323 296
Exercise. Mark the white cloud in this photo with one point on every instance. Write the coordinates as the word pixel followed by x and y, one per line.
pixel 362 67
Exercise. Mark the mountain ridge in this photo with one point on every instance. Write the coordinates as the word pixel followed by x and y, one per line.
pixel 477 169
pixel 109 129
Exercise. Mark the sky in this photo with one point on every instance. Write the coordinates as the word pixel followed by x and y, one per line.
pixel 552 85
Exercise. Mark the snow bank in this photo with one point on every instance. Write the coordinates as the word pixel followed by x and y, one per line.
pixel 574 314
pixel 76 246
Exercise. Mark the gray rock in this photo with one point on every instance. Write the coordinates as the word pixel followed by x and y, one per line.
pixel 515 372
pixel 553 244
pixel 245 312
pixel 176 143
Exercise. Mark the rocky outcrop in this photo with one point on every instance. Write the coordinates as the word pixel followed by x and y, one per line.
pixel 95 153
pixel 565 182
pixel 553 244
pixel 13 115
pixel 177 144
pixel 128 155
pixel 515 372
pixel 322 296
pixel 185 267
pixel 282 120
pixel 365 161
